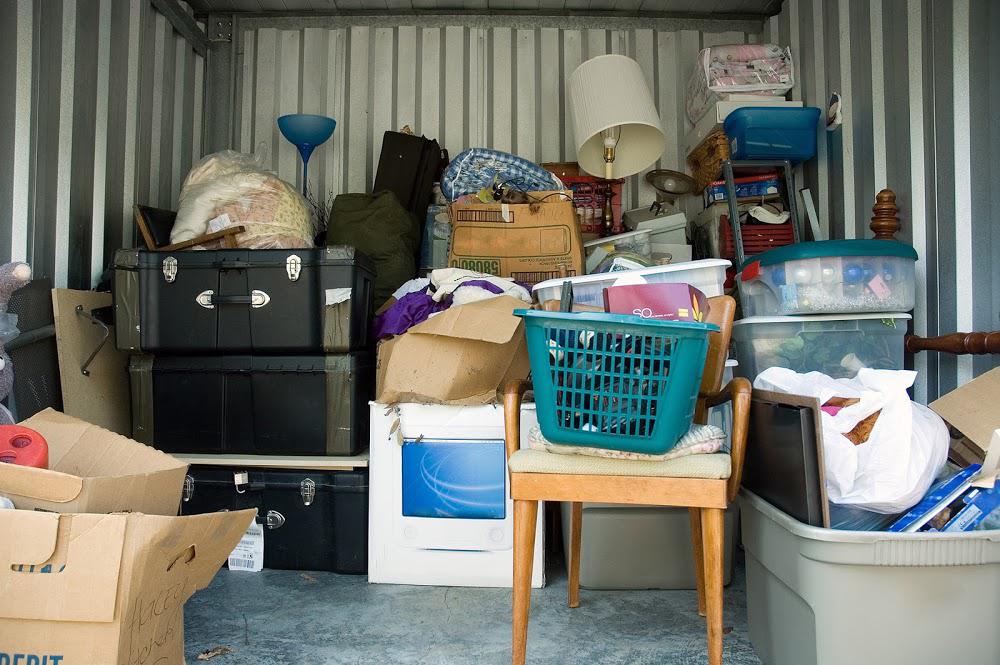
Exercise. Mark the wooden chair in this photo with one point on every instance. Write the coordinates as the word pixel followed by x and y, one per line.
pixel 705 484
pixel 155 225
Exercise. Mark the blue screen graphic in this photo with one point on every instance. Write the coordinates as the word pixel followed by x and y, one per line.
pixel 465 479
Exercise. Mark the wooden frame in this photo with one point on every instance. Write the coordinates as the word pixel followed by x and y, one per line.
pixel 148 218
pixel 706 499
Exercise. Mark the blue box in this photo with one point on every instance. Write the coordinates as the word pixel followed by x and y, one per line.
pixel 772 133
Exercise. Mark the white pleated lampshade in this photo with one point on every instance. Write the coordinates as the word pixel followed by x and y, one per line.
pixel 610 91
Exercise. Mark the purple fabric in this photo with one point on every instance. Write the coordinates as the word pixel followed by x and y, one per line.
pixel 482 284
pixel 408 311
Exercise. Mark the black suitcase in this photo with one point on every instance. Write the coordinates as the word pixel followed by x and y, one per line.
pixel 407 166
pixel 255 405
pixel 243 301
pixel 313 520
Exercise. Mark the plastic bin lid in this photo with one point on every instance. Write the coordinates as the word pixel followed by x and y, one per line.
pixel 824 248
pixel 642 272
pixel 782 117
pixel 750 320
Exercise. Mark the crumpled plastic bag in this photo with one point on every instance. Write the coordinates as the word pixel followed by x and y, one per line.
pixel 905 451
pixel 232 188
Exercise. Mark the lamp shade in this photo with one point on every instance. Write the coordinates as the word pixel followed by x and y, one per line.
pixel 606 92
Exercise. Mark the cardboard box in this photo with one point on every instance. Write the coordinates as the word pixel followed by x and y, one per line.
pixel 972 410
pixel 93 470
pixel 105 589
pixel 460 356
pixel 529 243
pixel 668 302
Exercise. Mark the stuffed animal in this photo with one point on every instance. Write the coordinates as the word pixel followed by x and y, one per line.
pixel 12 277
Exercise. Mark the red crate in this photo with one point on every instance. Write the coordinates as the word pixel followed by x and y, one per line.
pixel 757 238
pixel 589 192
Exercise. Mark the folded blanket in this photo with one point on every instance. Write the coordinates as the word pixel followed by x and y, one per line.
pixel 698 440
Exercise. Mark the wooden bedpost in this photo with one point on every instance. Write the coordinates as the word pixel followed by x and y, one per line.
pixel 885 223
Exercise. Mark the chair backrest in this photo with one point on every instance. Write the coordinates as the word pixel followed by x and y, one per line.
pixel 155 225
pixel 721 312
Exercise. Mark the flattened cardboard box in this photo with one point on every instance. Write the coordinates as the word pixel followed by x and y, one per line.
pixel 528 243
pixel 460 356
pixel 93 470
pixel 105 589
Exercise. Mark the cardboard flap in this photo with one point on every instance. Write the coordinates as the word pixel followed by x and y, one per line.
pixel 972 408
pixel 188 551
pixel 484 321
pixel 43 484
pixel 76 580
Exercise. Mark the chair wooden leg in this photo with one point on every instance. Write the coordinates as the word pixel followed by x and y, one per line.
pixel 712 531
pixel 525 519
pixel 699 556
pixel 575 540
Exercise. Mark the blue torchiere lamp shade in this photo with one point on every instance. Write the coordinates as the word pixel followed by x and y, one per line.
pixel 305 132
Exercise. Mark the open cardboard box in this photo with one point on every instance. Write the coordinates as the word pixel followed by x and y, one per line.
pixel 105 589
pixel 93 470
pixel 460 356
pixel 973 410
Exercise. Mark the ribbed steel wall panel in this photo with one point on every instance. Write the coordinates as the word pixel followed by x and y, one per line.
pixel 101 109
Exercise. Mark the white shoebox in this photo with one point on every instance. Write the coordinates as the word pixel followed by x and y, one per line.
pixel 440 511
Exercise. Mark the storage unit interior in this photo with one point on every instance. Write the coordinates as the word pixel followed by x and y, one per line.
pixel 110 102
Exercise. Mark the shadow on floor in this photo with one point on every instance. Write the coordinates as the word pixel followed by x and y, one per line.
pixel 277 617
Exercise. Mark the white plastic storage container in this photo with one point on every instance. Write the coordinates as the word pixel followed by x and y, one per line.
pixel 707 275
pixel 830 277
pixel 837 345
pixel 825 597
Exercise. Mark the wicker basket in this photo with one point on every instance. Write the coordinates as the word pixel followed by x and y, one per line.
pixel 705 161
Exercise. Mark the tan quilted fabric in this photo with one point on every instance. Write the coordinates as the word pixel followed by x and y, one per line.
pixel 713 466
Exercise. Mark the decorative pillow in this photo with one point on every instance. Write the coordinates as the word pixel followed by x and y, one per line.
pixel 699 439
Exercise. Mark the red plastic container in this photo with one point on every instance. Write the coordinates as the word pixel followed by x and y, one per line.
pixel 757 238
pixel 23 446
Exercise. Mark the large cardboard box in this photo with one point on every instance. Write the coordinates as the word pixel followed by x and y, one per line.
pixel 460 356
pixel 93 470
pixel 526 242
pixel 105 589
pixel 972 410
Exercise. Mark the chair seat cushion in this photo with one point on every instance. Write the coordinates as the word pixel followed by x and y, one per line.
pixel 710 466
pixel 699 439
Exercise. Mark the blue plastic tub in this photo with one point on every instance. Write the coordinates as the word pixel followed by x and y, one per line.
pixel 772 133
pixel 615 381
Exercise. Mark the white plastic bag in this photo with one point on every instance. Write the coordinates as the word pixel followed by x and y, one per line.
pixel 233 188
pixel 907 447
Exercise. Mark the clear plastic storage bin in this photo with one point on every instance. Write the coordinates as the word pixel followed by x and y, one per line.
pixel 824 597
pixel 707 275
pixel 836 345
pixel 637 242
pixel 830 277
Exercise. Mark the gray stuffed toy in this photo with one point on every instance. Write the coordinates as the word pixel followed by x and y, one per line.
pixel 12 277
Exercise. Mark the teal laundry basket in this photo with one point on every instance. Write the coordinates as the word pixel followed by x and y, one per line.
pixel 615 381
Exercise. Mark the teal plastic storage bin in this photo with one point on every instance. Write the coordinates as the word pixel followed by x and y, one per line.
pixel 615 381
pixel 772 133
pixel 830 277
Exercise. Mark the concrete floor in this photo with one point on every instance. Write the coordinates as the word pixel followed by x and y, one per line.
pixel 321 618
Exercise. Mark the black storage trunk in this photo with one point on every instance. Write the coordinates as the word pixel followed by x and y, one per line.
pixel 256 405
pixel 243 301
pixel 313 520
pixel 407 167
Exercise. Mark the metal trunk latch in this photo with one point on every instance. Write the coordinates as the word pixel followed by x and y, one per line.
pixel 274 519
pixel 188 491
pixel 307 488
pixel 169 269
pixel 293 266
pixel 241 479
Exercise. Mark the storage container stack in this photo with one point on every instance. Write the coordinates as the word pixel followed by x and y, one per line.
pixel 744 138
pixel 832 306
pixel 255 366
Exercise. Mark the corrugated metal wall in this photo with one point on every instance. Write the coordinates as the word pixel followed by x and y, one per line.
pixel 468 81
pixel 101 108
pixel 922 117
